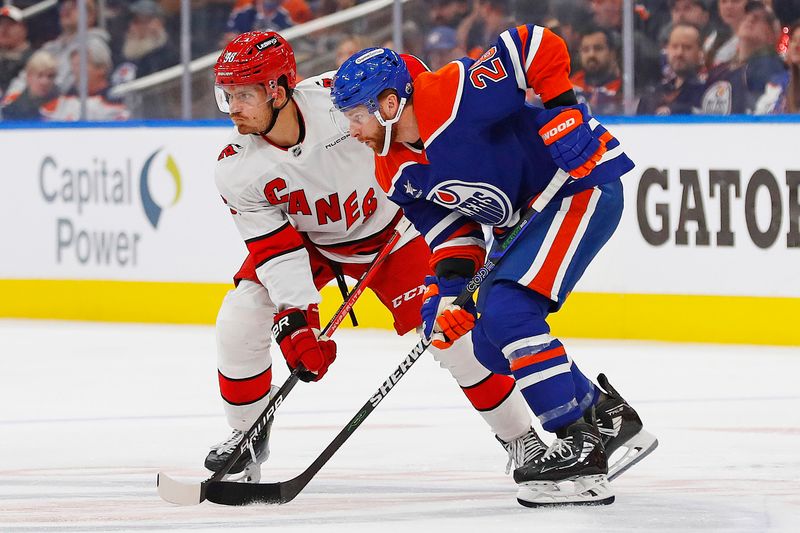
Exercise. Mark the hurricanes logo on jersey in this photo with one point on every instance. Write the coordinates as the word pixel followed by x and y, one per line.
pixel 231 149
pixel 481 202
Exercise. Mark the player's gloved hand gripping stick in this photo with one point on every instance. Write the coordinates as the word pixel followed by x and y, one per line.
pixel 193 493
pixel 232 493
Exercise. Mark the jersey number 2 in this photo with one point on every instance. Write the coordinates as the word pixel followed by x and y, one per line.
pixel 494 71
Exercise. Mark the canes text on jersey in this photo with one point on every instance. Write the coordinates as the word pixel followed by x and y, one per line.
pixel 328 209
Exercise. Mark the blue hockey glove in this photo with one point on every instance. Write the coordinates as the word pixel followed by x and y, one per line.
pixel 573 145
pixel 442 322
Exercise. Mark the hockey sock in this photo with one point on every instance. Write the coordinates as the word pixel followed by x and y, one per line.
pixel 585 391
pixel 492 395
pixel 514 319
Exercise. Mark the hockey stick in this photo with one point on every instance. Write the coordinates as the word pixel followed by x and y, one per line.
pixel 193 493
pixel 231 493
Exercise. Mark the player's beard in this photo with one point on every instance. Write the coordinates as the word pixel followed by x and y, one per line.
pixel 255 121
pixel 376 141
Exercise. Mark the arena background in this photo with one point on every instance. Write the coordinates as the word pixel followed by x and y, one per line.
pixel 121 221
pixel 124 223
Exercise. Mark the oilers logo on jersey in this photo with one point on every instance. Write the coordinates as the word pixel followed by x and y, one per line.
pixel 481 202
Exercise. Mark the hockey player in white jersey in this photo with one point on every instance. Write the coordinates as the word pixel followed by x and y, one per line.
pixel 304 198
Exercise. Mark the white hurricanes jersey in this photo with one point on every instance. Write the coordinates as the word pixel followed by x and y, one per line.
pixel 323 187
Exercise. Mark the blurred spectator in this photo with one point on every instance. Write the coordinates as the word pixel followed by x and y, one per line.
pixel 607 14
pixel 349 46
pixel 40 87
pixel 787 11
pixel 62 47
pixel 441 47
pixel 488 20
pixel 147 47
pixel 682 92
pixel 14 46
pixel 599 84
pixel 734 87
pixel 572 18
pixel 536 12
pixel 413 40
pixel 782 94
pixel 694 12
pixel 275 15
pixel 448 12
pixel 326 7
pixel 99 106
pixel 299 10
pixel 721 45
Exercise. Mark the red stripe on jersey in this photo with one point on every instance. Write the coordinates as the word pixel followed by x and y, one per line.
pixel 436 98
pixel 548 74
pixel 247 390
pixel 544 279
pixel 532 359
pixel 283 240
pixel 489 393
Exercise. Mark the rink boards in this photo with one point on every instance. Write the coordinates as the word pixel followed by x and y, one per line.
pixel 124 223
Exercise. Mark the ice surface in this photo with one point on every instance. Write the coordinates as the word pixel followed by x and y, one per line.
pixel 90 412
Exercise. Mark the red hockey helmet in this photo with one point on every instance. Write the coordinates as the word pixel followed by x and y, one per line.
pixel 256 57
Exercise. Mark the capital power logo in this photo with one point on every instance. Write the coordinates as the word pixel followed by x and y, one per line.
pixel 159 170
pixel 94 202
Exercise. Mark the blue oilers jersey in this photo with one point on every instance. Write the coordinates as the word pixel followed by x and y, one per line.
pixel 483 161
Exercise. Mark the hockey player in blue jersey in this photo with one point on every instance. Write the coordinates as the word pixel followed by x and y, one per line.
pixel 458 148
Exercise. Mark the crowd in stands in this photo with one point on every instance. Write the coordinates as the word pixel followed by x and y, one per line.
pixel 690 56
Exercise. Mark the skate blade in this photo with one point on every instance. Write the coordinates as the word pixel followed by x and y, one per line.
pixel 634 450
pixel 584 490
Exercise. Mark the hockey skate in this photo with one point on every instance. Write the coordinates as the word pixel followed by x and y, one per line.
pixel 523 449
pixel 624 438
pixel 248 467
pixel 571 472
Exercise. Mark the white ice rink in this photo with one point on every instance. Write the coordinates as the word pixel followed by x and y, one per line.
pixel 89 413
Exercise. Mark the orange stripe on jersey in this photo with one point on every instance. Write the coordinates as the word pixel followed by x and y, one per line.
pixel 489 393
pixel 435 98
pixel 414 64
pixel 544 279
pixel 548 74
pixel 388 167
pixel 606 138
pixel 281 241
pixel 532 359
pixel 245 391
pixel 523 38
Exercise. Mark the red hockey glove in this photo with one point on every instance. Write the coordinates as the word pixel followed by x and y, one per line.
pixel 299 344
pixel 442 322
pixel 573 145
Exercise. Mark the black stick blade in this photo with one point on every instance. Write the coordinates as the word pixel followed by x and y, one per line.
pixel 236 493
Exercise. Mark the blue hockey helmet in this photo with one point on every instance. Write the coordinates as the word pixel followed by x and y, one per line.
pixel 365 75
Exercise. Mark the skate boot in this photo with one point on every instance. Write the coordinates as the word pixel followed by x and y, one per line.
pixel 523 449
pixel 571 472
pixel 622 431
pixel 249 463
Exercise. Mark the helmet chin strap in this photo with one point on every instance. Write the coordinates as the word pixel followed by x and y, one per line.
pixel 275 112
pixel 387 124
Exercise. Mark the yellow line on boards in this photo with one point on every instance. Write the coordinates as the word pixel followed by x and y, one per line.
pixel 685 318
